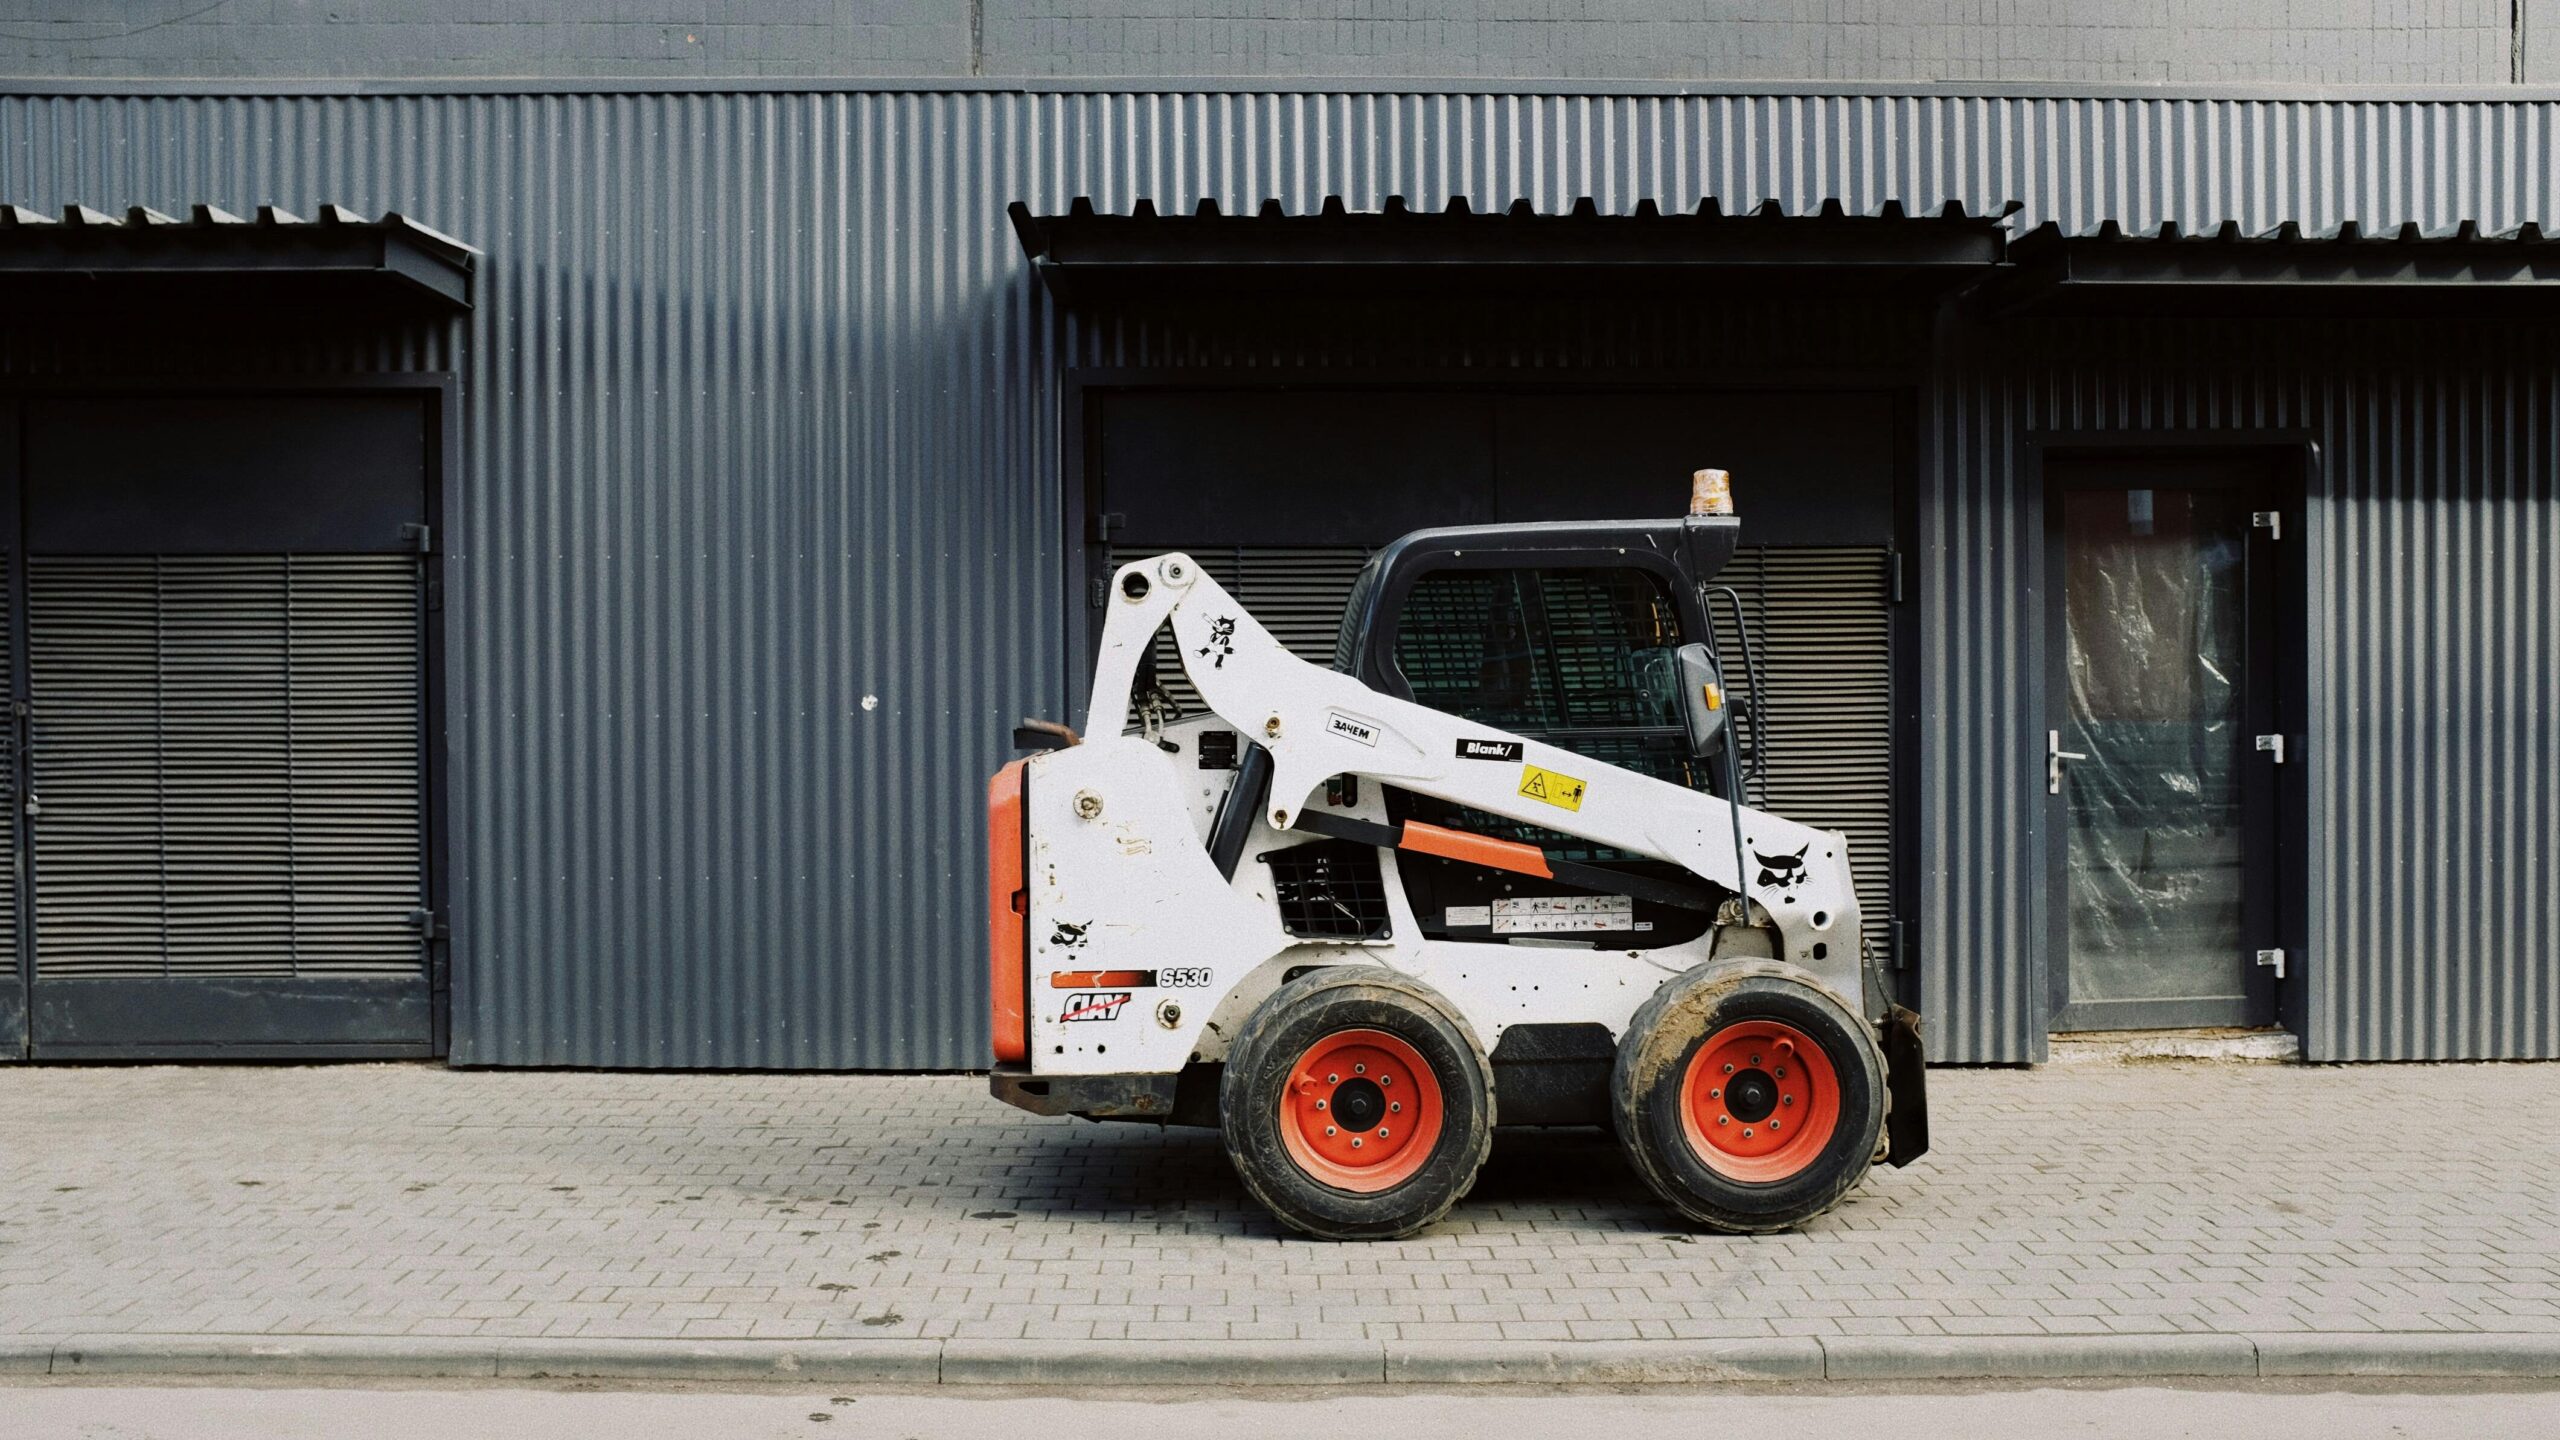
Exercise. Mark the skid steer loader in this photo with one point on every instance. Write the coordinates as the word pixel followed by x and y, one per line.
pixel 1490 867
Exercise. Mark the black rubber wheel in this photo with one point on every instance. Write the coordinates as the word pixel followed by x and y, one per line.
pixel 1356 1105
pixel 1750 1101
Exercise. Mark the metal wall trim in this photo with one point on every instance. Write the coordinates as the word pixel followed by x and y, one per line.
pixel 2292 92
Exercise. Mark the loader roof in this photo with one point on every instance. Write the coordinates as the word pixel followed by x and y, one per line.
pixel 1687 552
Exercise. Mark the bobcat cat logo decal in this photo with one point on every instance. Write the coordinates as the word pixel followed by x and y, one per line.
pixel 1782 873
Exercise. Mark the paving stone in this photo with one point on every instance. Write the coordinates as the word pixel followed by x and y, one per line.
pixel 418 1201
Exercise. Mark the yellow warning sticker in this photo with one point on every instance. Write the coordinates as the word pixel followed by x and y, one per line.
pixel 1553 786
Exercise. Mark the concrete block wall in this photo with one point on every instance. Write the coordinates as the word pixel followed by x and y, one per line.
pixel 2336 42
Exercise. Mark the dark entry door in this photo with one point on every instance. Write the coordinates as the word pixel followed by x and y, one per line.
pixel 2163 741
pixel 217 605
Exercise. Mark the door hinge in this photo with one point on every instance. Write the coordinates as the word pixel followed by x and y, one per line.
pixel 2273 960
pixel 430 924
pixel 2272 745
pixel 1896 581
pixel 421 538
pixel 1097 593
pixel 2271 521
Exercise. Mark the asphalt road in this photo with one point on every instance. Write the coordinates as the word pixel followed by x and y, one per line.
pixel 48 1412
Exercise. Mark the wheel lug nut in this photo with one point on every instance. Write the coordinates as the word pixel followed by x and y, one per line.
pixel 1355 1142
pixel 1782 1072
pixel 1728 1069
pixel 1787 1100
pixel 1773 1124
pixel 1395 1107
pixel 1328 1129
pixel 1746 1132
pixel 1319 1104
pixel 1382 1132
pixel 1716 1094
pixel 1755 1059
pixel 1386 1079
pixel 1333 1079
pixel 1359 1069
pixel 1724 1119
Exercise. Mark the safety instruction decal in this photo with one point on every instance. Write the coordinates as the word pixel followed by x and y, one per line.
pixel 1553 786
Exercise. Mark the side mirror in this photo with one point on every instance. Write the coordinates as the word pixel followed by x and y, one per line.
pixel 1702 707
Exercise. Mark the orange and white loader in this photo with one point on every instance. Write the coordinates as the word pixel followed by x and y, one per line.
pixel 1492 866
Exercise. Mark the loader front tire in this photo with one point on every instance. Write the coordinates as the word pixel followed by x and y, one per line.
pixel 1750 1101
pixel 1356 1105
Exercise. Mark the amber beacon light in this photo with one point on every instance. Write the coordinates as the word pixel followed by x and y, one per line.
pixel 1711 493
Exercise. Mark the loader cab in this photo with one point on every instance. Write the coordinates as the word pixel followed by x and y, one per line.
pixel 1571 634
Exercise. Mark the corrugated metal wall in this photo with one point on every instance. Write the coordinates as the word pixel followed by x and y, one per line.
pixel 759 543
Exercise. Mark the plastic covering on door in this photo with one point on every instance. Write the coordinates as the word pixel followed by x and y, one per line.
pixel 2155 591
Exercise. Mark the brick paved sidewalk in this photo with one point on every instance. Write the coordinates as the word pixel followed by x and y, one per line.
pixel 412 1200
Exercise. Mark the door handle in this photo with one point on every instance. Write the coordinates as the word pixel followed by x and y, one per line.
pixel 2054 755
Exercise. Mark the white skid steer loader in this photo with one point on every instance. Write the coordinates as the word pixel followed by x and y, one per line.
pixel 1488 868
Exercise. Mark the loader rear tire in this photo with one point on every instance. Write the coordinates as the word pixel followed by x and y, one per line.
pixel 1356 1105
pixel 1750 1101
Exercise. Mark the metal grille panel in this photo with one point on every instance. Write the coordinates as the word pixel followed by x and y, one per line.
pixel 228 755
pixel 9 803
pixel 1821 619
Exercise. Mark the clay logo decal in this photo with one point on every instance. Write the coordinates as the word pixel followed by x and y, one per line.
pixel 1094 1005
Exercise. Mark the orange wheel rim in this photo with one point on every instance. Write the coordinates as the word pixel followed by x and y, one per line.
pixel 1361 1111
pixel 1759 1101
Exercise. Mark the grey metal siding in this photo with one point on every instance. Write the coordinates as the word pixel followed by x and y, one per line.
pixel 759 537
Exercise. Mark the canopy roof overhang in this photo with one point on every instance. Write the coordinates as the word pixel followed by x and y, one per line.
pixel 1086 256
pixel 87 257
pixel 2344 271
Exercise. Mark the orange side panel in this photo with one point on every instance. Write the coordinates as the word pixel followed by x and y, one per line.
pixel 1008 957
pixel 1474 849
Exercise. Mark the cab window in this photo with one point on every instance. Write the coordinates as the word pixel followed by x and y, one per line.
pixel 1580 658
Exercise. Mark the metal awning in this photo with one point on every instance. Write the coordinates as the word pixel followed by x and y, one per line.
pixel 87 257
pixel 2344 270
pixel 1086 255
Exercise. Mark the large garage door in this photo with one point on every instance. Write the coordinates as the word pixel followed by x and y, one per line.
pixel 1282 494
pixel 225 824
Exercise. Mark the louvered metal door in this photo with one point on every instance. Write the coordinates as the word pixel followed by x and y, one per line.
pixel 13 981
pixel 223 820
pixel 226 754
pixel 1822 622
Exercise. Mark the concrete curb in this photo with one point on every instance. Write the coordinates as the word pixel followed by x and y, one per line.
pixel 2531 1357
pixel 877 1362
pixel 1114 1363
pixel 380 1356
pixel 2037 1357
pixel 1602 1362
pixel 1162 1362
